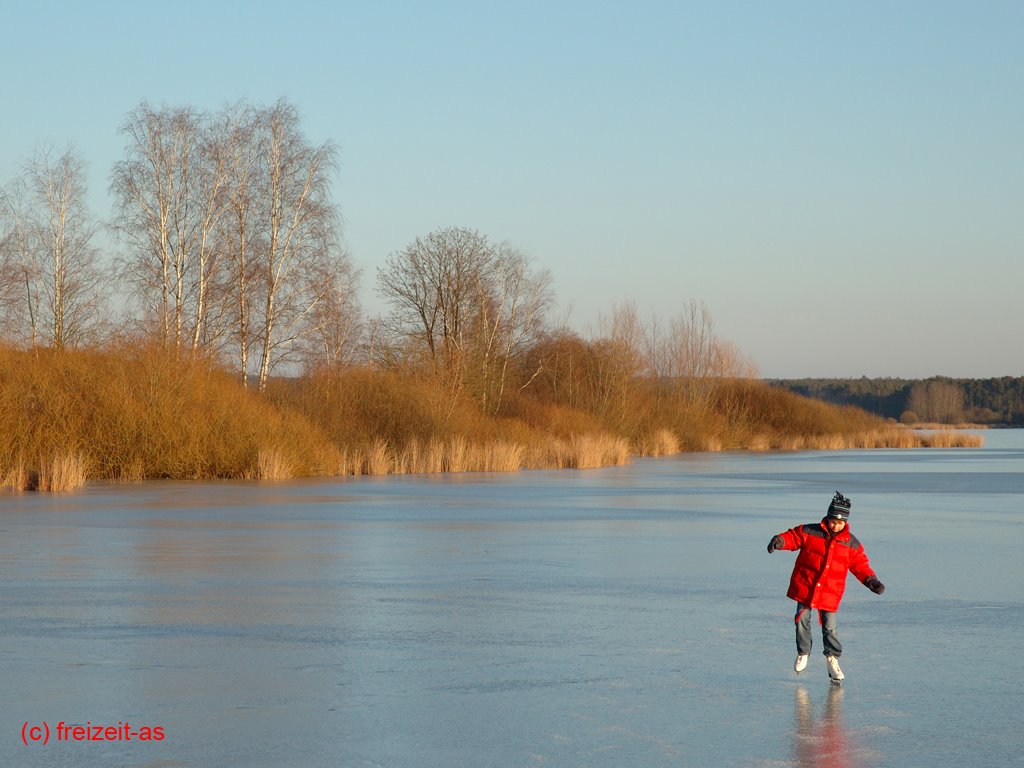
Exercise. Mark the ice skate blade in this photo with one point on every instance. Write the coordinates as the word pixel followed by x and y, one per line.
pixel 834 681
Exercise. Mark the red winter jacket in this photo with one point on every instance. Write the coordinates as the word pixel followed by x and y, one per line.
pixel 819 575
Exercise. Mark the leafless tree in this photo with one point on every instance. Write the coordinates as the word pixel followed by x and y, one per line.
pixel 300 244
pixel 558 365
pixel 51 269
pixel 241 234
pixel 232 234
pixel 696 362
pixel 511 305
pixel 614 362
pixel 335 321
pixel 150 186
pixel 11 272
pixel 693 344
pixel 210 177
pixel 169 199
pixel 469 306
pixel 431 286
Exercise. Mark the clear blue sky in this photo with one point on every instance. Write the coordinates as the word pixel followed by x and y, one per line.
pixel 841 183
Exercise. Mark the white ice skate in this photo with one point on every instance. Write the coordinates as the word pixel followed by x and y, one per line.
pixel 800 664
pixel 835 673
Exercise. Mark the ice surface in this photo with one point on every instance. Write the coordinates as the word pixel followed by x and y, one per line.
pixel 616 617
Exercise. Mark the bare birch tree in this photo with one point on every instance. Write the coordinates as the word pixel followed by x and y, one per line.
pixel 232 235
pixel 300 223
pixel 335 326
pixel 240 231
pixel 169 199
pixel 150 186
pixel 51 265
pixel 210 177
pixel 12 273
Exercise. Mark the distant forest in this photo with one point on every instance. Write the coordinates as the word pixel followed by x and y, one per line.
pixel 998 401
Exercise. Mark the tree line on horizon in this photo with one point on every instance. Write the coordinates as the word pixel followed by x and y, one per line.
pixel 938 399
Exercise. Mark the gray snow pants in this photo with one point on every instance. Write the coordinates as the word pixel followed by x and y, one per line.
pixel 827 619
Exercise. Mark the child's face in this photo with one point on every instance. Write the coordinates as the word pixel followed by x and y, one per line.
pixel 835 524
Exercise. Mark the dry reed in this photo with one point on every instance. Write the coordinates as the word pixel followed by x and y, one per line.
pixel 457 458
pixel 132 471
pixel 897 437
pixel 660 442
pixel 502 456
pixel 407 460
pixel 953 440
pixel 432 457
pixel 62 472
pixel 759 443
pixel 273 463
pixel 590 451
pixel 945 427
pixel 349 463
pixel 17 478
pixel 420 458
pixel 713 444
pixel 379 459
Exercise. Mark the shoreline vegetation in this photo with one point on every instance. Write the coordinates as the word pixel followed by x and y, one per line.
pixel 139 412
pixel 222 335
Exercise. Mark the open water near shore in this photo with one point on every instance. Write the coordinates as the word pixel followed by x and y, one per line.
pixel 618 617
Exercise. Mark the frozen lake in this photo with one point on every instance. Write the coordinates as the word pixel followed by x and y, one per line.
pixel 617 617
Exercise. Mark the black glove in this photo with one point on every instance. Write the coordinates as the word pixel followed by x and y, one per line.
pixel 874 585
pixel 775 543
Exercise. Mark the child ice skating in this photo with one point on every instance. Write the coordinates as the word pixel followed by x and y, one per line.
pixel 827 551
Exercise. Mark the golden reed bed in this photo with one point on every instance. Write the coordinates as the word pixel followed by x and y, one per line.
pixel 68 471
